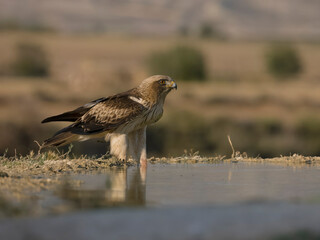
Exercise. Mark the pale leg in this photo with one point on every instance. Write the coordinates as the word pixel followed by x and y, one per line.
pixel 143 147
pixel 119 146
pixel 137 145
pixel 132 145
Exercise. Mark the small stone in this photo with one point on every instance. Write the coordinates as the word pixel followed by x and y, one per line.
pixel 3 174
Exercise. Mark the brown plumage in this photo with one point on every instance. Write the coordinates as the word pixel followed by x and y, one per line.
pixel 122 114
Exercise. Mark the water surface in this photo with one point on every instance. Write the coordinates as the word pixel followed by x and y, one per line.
pixel 195 184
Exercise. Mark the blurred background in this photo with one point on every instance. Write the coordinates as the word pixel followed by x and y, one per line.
pixel 244 68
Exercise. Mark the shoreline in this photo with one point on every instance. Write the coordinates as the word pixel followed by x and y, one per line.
pixel 56 165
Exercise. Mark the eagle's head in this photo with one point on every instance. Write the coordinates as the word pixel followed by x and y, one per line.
pixel 157 87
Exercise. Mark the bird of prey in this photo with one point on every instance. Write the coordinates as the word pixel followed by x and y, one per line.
pixel 122 119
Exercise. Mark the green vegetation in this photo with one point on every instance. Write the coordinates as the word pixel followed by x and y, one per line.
pixel 283 61
pixel 31 61
pixel 181 62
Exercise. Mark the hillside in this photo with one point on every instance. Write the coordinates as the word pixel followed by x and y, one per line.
pixel 292 19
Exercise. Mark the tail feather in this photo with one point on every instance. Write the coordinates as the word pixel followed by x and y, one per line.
pixel 74 132
pixel 61 139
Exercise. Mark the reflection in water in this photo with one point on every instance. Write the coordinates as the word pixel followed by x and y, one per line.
pixel 229 176
pixel 193 184
pixel 119 189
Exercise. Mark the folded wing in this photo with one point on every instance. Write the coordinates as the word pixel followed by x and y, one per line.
pixel 74 115
pixel 102 115
pixel 108 115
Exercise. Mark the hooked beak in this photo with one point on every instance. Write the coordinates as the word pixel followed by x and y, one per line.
pixel 172 85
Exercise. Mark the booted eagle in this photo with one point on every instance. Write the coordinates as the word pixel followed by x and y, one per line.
pixel 122 119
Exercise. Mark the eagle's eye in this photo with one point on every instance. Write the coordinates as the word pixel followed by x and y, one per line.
pixel 163 82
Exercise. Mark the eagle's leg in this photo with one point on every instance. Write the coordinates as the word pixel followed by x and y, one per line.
pixel 119 146
pixel 137 145
pixel 143 146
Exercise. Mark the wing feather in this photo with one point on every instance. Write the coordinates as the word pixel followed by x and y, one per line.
pixel 74 115
pixel 108 115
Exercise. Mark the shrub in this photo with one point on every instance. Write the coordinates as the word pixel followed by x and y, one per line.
pixel 184 31
pixel 308 131
pixel 182 62
pixel 31 60
pixel 188 132
pixel 283 61
pixel 208 30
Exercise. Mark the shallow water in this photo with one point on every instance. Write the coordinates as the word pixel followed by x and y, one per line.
pixel 162 185
pixel 193 184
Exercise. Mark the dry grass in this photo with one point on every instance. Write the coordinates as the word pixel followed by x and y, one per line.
pixel 52 163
